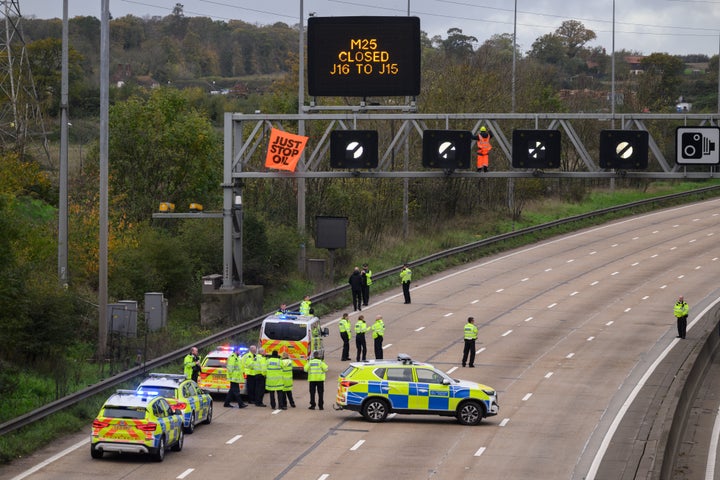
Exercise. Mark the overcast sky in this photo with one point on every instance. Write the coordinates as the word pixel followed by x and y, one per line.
pixel 671 26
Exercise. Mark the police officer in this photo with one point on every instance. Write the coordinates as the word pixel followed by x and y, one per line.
pixel 260 369
pixel 470 334
pixel 306 306
pixel 360 329
pixel 378 332
pixel 405 279
pixel 366 273
pixel 234 373
pixel 282 310
pixel 248 361
pixel 191 364
pixel 316 368
pixel 345 334
pixel 287 370
pixel 274 382
pixel 681 311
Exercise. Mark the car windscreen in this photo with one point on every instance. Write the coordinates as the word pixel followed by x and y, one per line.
pixel 285 331
pixel 168 392
pixel 124 412
pixel 216 362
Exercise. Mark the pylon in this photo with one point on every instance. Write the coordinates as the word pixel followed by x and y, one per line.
pixel 21 124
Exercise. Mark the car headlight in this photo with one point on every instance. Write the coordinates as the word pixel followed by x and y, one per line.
pixel 490 393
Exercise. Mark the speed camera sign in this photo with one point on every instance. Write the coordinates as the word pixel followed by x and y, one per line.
pixel 697 145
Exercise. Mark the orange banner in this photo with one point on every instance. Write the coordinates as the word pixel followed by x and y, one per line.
pixel 284 150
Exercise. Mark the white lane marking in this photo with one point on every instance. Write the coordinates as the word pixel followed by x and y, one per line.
pixel 419 329
pixel 614 273
pixel 614 245
pixel 627 309
pixel 646 297
pixel 499 290
pixel 387 346
pixel 609 323
pixel 675 226
pixel 528 319
pixel 50 460
pixel 357 445
pixel 681 276
pixel 479 452
pixel 695 219
pixel 506 333
pixel 481 350
pixel 590 339
pixel 593 252
pixel 324 476
pixel 185 473
pixel 635 264
pixel 653 256
pixel 548 374
pixel 570 261
pixel 594 283
pixel 574 293
pixel 656 231
pixel 663 287
pixel 276 411
pixel 474 302
pixel 693 240
pixel 552 305
pixel 673 248
pixel 451 370
pixel 712 449
pixel 448 314
pixel 527 397
pixel 631 398
pixel 548 269
pixel 569 355
pixel 504 422
pixel 636 238
pixel 698 267
pixel 525 279
pixel 233 439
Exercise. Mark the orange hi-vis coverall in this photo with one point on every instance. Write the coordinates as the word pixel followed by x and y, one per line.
pixel 484 147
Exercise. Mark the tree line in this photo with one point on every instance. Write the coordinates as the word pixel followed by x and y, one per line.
pixel 166 145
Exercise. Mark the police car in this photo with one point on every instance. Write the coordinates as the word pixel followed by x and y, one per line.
pixel 379 387
pixel 183 395
pixel 213 377
pixel 129 422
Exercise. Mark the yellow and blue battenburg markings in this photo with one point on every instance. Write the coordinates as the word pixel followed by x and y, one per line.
pixel 412 395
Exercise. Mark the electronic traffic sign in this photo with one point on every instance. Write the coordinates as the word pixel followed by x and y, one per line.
pixel 363 56
pixel 697 145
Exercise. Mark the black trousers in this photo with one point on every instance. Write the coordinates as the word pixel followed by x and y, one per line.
pixel 259 389
pixel 365 294
pixel 378 347
pixel 346 345
pixel 319 387
pixel 469 349
pixel 233 394
pixel 361 346
pixel 357 299
pixel 682 326
pixel 250 388
pixel 406 291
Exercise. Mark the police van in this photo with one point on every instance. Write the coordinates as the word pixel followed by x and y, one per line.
pixel 298 335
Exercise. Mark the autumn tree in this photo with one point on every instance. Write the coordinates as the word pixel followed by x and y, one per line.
pixel 660 81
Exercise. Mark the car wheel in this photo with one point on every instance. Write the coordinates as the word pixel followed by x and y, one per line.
pixel 208 419
pixel 95 452
pixel 470 413
pixel 191 426
pixel 179 444
pixel 375 410
pixel 159 454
